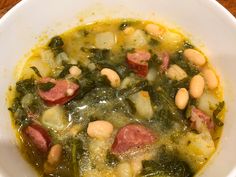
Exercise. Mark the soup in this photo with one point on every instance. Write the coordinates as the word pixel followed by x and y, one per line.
pixel 117 98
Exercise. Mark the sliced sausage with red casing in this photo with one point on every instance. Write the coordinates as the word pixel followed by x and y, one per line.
pixel 165 58
pixel 38 136
pixel 59 93
pixel 138 62
pixel 132 136
pixel 199 118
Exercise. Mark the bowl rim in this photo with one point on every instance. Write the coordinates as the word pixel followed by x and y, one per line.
pixel 213 4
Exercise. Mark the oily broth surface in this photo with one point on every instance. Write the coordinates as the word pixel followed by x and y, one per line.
pixel 84 37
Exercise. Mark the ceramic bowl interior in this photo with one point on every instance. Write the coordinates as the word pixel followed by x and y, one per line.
pixel 205 22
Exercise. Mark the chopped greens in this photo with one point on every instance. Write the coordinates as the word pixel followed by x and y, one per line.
pixel 36 71
pixel 46 86
pixel 217 112
pixel 99 128
pixel 168 165
pixel 25 86
pixel 56 44
pixel 179 60
pixel 153 42
pixel 111 159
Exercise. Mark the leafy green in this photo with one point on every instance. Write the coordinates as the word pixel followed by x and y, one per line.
pixel 20 115
pixel 122 70
pixel 102 100
pixel 56 44
pixel 171 86
pixel 217 112
pixel 111 159
pixel 99 54
pixel 153 42
pixel 167 165
pixel 76 153
pixel 65 70
pixel 132 90
pixel 179 60
pixel 154 60
pixel 46 86
pixel 26 86
pixel 187 45
pixel 166 113
pixel 36 71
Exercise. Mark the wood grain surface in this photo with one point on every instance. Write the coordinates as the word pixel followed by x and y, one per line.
pixel 5 5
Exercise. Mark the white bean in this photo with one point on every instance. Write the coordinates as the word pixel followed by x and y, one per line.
pixel 54 154
pixel 129 30
pixel 195 57
pixel 196 87
pixel 74 71
pixel 100 129
pixel 153 30
pixel 181 98
pixel 176 73
pixel 210 78
pixel 112 76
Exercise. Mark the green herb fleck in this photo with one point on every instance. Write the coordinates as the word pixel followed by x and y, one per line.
pixel 25 86
pixel 216 114
pixel 56 45
pixel 111 159
pixel 153 42
pixel 36 71
pixel 46 86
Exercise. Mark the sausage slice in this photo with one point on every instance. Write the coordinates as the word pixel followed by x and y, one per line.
pixel 138 62
pixel 165 58
pixel 132 136
pixel 38 136
pixel 61 93
pixel 199 118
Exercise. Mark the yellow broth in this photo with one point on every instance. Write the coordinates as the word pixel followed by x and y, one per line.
pixel 181 147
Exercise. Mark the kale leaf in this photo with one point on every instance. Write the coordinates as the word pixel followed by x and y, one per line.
pixel 216 114
pixel 56 44
pixel 26 86
pixel 167 164
pixel 36 71
pixel 46 86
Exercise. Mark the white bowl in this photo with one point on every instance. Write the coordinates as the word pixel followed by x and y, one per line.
pixel 207 23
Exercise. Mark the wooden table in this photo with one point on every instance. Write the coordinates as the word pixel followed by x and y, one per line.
pixel 5 5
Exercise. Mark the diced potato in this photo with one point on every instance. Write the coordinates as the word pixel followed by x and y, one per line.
pixel 105 40
pixel 142 104
pixel 207 102
pixel 136 40
pixel 127 82
pixel 151 76
pixel 98 150
pixel 48 57
pixel 62 57
pixel 27 100
pixel 124 170
pixel 198 147
pixel 54 118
